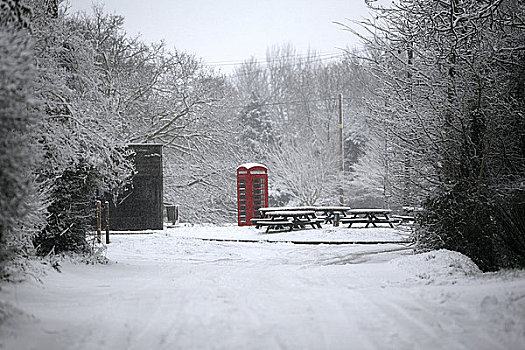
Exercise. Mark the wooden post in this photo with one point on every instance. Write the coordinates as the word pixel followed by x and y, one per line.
pixel 106 207
pixel 99 215
pixel 336 219
pixel 341 155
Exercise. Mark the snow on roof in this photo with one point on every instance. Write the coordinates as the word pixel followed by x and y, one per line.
pixel 251 165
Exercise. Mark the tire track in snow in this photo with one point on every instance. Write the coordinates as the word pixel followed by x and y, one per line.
pixel 365 256
pixel 412 323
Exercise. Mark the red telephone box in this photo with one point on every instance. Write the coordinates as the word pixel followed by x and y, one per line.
pixel 252 191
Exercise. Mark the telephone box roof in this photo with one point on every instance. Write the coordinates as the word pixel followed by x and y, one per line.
pixel 251 165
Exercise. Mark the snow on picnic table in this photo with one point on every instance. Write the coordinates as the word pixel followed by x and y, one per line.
pixel 172 289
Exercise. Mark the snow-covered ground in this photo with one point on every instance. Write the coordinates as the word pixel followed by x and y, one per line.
pixel 182 288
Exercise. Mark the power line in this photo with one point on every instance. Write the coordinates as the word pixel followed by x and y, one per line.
pixel 289 102
pixel 298 101
pixel 314 56
pixel 273 59
pixel 308 58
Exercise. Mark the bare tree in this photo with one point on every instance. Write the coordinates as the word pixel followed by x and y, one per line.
pixel 449 98
pixel 304 170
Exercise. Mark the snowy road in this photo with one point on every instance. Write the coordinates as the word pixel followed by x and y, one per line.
pixel 173 292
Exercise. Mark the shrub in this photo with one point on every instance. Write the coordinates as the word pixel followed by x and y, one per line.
pixel 70 211
pixel 16 156
pixel 491 234
pixel 510 218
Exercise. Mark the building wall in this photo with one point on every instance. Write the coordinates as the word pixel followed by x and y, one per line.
pixel 140 206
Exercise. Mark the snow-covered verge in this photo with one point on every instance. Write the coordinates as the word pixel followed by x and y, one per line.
pixel 182 289
pixel 358 233
pixel 438 265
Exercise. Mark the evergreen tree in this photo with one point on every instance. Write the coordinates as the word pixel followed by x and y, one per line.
pixel 257 127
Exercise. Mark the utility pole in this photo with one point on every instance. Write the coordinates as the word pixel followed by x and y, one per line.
pixel 106 207
pixel 387 188
pixel 341 154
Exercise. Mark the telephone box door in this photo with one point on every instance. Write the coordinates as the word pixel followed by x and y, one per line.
pixel 252 192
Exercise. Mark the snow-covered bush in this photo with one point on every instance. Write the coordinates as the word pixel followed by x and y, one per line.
pixel 492 234
pixel 71 211
pixel 437 265
pixel 455 220
pixel 18 197
pixel 510 237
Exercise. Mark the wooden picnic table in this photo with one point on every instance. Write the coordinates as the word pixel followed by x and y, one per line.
pixel 329 212
pixel 368 216
pixel 288 219
pixel 326 212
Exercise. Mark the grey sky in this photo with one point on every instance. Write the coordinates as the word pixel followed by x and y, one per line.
pixel 229 31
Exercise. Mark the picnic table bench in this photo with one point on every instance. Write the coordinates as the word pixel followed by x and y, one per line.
pixel 288 219
pixel 368 216
pixel 403 218
pixel 274 224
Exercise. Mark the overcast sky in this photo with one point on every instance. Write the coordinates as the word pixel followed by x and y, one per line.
pixel 222 32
